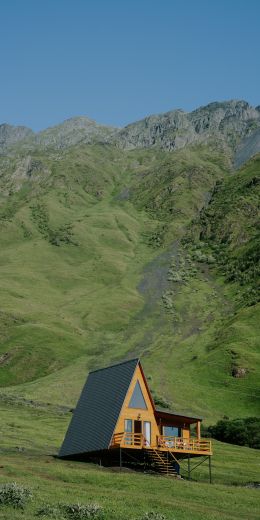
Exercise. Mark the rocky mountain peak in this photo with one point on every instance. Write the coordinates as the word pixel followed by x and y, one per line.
pixel 73 131
pixel 235 124
pixel 229 121
pixel 10 135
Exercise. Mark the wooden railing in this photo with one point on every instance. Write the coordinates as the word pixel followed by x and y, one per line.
pixel 137 440
pixel 183 444
pixel 128 439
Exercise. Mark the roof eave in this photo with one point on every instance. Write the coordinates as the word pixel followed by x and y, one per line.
pixel 175 414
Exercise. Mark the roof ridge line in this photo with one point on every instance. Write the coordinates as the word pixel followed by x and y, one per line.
pixel 115 365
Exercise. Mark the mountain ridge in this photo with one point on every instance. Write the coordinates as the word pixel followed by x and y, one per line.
pixel 234 123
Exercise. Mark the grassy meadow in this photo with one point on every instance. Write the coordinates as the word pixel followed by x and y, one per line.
pixel 30 437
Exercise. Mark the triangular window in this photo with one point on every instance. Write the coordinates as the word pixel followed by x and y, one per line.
pixel 137 399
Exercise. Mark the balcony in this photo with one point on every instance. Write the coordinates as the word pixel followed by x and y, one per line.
pixel 163 443
pixel 181 444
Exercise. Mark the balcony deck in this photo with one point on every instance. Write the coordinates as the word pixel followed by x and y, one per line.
pixel 192 446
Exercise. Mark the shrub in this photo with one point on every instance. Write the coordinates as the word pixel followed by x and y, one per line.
pixel 174 276
pixel 82 511
pixel 49 510
pixel 153 515
pixel 160 401
pixel 244 432
pixel 203 257
pixel 13 495
pixel 62 235
pixel 71 511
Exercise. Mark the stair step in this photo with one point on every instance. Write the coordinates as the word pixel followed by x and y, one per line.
pixel 167 468
pixel 162 464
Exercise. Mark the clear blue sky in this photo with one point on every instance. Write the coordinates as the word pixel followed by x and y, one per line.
pixel 119 60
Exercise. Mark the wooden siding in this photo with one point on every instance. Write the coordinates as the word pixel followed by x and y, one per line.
pixel 138 414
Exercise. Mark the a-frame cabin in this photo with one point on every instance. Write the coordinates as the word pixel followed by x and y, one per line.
pixel 116 422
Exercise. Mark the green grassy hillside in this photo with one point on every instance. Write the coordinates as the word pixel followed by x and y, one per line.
pixel 30 436
pixel 98 264
pixel 108 254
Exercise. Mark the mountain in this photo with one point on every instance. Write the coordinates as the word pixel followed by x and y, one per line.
pixel 118 243
pixel 73 131
pixel 228 122
pixel 10 135
pixel 248 147
pixel 232 125
pixel 70 132
pixel 110 250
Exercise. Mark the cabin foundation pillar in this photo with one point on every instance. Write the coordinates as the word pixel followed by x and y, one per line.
pixel 198 430
pixel 210 474
pixel 120 458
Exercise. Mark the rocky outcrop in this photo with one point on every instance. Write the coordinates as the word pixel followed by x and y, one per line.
pixel 10 135
pixel 248 147
pixel 235 125
pixel 228 121
pixel 73 131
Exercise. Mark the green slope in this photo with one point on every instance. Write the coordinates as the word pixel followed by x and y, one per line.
pixel 97 263
pixel 30 436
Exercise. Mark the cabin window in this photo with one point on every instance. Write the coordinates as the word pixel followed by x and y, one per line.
pixel 137 399
pixel 128 431
pixel 128 425
pixel 171 431
pixel 147 433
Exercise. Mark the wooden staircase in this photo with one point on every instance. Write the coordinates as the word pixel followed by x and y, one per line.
pixel 162 463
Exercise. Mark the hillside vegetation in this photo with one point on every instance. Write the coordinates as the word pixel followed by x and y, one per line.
pixel 123 243
pixel 29 462
pixel 98 264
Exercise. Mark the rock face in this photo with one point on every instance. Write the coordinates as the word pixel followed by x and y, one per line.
pixel 233 124
pixel 28 168
pixel 229 121
pixel 248 147
pixel 73 131
pixel 10 135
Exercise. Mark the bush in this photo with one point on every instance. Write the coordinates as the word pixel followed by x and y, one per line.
pixel 174 276
pixel 14 495
pixel 153 515
pixel 71 511
pixel 62 235
pixel 82 512
pixel 244 432
pixel 49 510
pixel 160 401
pixel 203 257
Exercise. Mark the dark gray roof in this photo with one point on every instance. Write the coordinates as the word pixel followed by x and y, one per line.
pixel 183 414
pixel 98 409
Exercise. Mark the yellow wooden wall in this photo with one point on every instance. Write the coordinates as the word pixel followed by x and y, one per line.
pixel 145 415
pixel 137 413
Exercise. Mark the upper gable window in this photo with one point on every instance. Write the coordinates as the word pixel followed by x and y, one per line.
pixel 137 399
